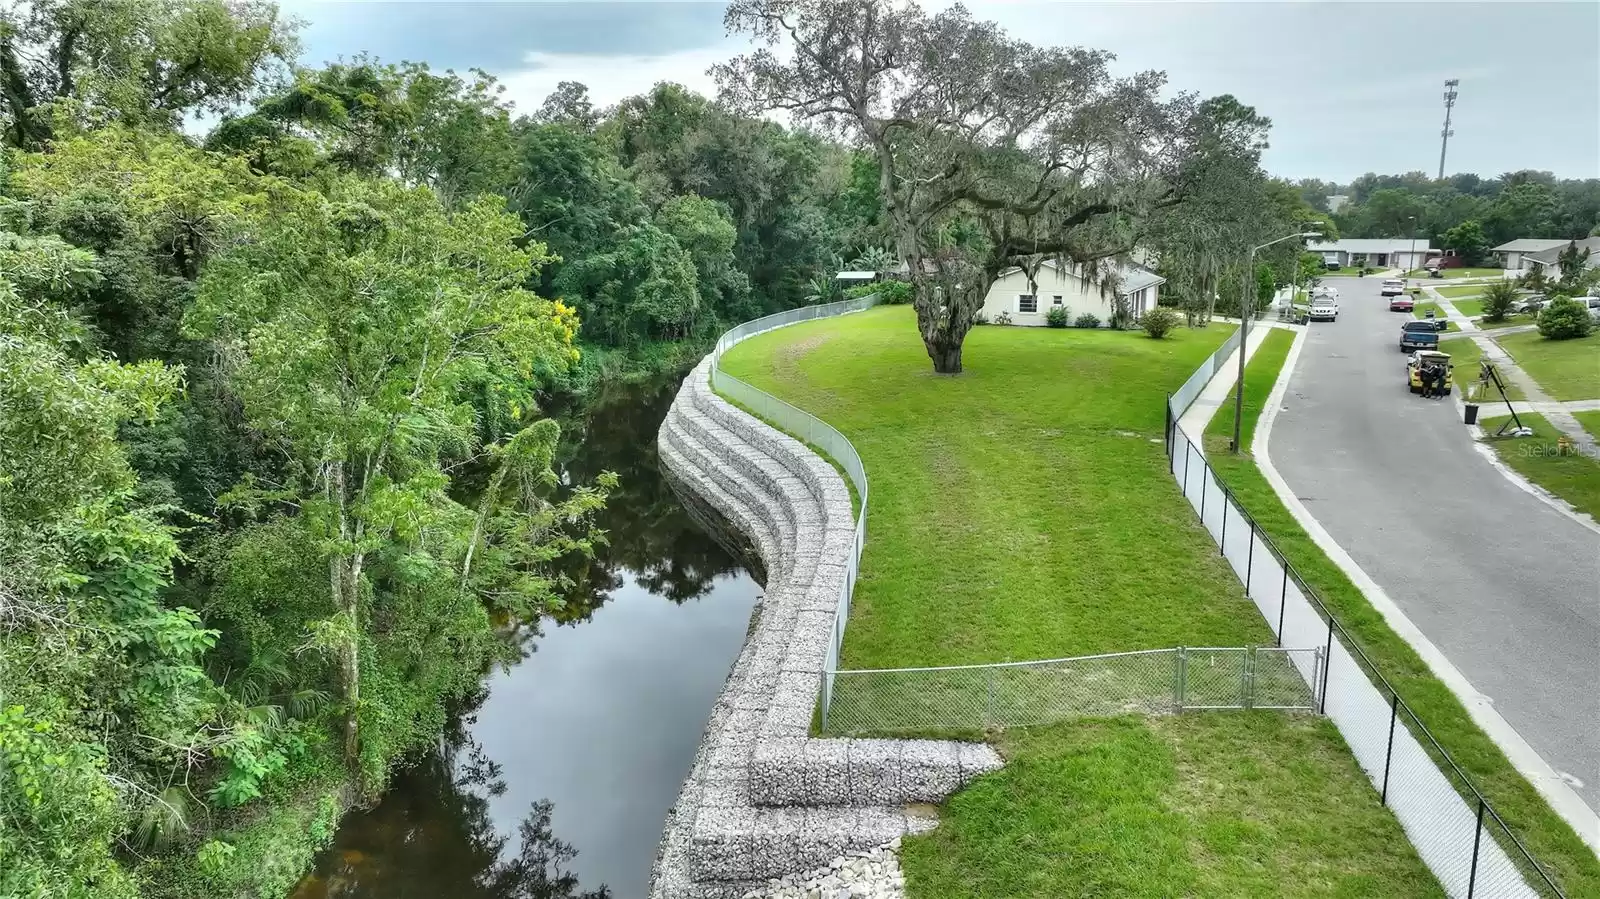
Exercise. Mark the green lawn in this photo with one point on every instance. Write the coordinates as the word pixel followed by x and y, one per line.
pixel 1545 833
pixel 1023 509
pixel 1450 273
pixel 1565 369
pixel 1259 375
pixel 1571 475
pixel 1469 308
pixel 1349 271
pixel 1015 505
pixel 1189 806
pixel 1590 422
pixel 1421 310
pixel 1515 318
pixel 1456 292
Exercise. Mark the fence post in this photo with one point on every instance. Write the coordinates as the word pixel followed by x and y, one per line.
pixel 827 697
pixel 1327 662
pixel 1181 678
pixel 1250 563
pixel 1168 435
pixel 1205 474
pixel 1246 677
pixel 988 706
pixel 1477 838
pixel 1222 544
pixel 1283 600
pixel 1388 753
pixel 1185 465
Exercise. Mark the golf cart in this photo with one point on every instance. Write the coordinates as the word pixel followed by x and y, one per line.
pixel 1423 359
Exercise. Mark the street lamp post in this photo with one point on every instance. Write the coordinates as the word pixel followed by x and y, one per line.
pixel 1244 324
pixel 1413 257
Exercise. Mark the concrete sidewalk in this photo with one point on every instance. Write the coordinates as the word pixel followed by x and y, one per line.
pixel 1219 390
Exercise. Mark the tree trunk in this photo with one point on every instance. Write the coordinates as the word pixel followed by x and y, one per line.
pixel 945 353
pixel 344 574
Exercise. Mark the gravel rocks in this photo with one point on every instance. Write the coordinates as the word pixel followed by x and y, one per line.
pixel 874 874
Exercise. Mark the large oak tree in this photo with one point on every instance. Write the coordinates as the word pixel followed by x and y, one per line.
pixel 992 153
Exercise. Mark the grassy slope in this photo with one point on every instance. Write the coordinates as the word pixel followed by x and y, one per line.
pixel 1549 837
pixel 1188 806
pixel 1566 369
pixel 1590 422
pixel 1021 510
pixel 1573 477
pixel 1015 504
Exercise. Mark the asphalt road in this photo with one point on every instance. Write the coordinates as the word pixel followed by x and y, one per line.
pixel 1505 586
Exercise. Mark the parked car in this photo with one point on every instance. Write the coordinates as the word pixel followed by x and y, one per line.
pixel 1593 303
pixel 1418 334
pixel 1401 303
pixel 1530 304
pixel 1331 265
pixel 1324 309
pixel 1392 287
pixel 1323 290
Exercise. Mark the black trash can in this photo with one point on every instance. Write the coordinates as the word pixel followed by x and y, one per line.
pixel 1472 414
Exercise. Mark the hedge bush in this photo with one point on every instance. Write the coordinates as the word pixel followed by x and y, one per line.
pixel 1158 321
pixel 1056 317
pixel 1086 320
pixel 1564 318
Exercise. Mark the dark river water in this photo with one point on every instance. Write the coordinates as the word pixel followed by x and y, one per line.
pixel 554 783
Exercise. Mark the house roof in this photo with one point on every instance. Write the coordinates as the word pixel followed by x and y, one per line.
pixel 1552 255
pixel 1369 245
pixel 855 276
pixel 1131 278
pixel 1528 245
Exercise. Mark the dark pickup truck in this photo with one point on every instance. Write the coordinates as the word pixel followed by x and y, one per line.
pixel 1418 334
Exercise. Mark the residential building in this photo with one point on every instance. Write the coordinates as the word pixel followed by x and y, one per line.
pixel 1377 252
pixel 1519 255
pixel 1547 260
pixel 1027 303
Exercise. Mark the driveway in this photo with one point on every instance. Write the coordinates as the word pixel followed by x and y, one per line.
pixel 1505 586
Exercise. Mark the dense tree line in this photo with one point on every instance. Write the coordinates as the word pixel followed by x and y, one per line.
pixel 1464 212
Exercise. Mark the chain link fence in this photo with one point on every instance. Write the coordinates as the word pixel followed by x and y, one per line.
pixel 1456 831
pixel 1018 694
pixel 804 426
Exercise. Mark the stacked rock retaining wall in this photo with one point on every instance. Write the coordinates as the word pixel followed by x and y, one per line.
pixel 764 798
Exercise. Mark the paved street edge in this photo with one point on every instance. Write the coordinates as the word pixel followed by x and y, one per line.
pixel 1524 757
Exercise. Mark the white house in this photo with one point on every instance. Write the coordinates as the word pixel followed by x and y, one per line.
pixel 1055 285
pixel 1377 252
pixel 1548 260
pixel 1513 255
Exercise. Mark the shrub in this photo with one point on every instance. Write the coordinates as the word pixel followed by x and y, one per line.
pixel 894 293
pixel 1004 318
pixel 1564 318
pixel 1158 321
pixel 861 290
pixel 980 318
pixel 1086 320
pixel 1498 300
pixel 1056 317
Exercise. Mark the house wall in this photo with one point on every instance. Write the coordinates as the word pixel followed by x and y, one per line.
pixel 1075 294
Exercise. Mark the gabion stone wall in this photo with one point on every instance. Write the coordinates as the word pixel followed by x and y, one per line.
pixel 764 799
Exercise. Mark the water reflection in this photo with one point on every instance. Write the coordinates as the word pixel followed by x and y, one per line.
pixel 555 780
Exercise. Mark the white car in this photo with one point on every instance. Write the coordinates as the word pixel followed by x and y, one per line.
pixel 1393 287
pixel 1324 309
pixel 1323 290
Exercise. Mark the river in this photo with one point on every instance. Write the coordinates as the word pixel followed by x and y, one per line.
pixel 555 779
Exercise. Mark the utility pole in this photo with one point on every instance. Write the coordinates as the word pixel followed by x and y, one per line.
pixel 1446 134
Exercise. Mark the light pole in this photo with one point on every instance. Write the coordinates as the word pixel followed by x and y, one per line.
pixel 1412 259
pixel 1244 324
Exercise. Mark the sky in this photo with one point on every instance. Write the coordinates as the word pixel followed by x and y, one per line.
pixel 1350 87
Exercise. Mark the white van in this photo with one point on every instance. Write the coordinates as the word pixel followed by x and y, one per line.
pixel 1393 287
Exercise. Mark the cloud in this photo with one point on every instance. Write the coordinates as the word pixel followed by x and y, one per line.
pixel 611 78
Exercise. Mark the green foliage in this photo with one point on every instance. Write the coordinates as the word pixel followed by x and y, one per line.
pixel 1564 318
pixel 1498 300
pixel 1469 242
pixel 1159 321
pixel 895 292
pixel 1056 317
pixel 1086 320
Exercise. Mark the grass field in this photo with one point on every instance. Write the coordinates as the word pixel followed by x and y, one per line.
pixel 1544 832
pixel 1420 310
pixel 1590 422
pixel 1465 354
pixel 1515 318
pixel 1182 806
pixel 1023 509
pixel 1259 375
pixel 1565 369
pixel 1470 308
pixel 1572 476
pixel 1453 293
pixel 1013 505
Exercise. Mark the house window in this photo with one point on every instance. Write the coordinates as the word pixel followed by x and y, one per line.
pixel 1055 301
pixel 1027 302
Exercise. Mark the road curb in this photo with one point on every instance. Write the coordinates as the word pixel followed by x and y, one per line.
pixel 1561 797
